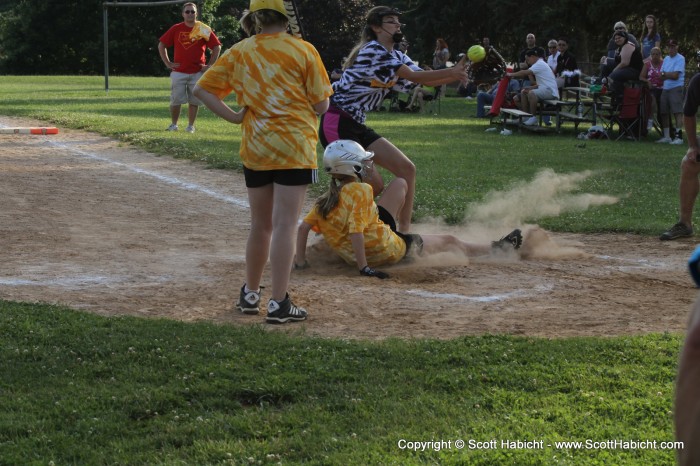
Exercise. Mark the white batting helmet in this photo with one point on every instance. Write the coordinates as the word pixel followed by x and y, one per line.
pixel 345 157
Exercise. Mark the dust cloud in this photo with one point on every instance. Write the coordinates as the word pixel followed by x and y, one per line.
pixel 549 194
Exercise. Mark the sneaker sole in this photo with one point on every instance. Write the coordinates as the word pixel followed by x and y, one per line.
pixel 671 238
pixel 251 311
pixel 283 320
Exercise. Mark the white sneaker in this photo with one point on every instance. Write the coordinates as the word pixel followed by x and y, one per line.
pixel 664 140
pixel 677 142
pixel 532 121
pixel 190 129
pixel 172 127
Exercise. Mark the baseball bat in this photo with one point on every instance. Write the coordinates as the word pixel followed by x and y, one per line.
pixel 29 130
pixel 293 15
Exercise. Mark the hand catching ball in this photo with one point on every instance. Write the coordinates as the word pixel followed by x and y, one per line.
pixel 476 53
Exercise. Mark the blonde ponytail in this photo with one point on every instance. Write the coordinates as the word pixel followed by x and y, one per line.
pixel 329 200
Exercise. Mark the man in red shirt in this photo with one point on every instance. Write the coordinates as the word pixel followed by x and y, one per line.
pixel 189 39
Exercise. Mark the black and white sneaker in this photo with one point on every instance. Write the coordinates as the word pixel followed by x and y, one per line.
pixel 512 240
pixel 249 303
pixel 284 311
pixel 679 230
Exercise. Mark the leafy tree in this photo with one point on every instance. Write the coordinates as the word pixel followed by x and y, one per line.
pixel 333 27
pixel 65 36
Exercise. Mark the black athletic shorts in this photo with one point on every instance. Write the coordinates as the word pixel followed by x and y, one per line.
pixel 336 124
pixel 414 243
pixel 291 177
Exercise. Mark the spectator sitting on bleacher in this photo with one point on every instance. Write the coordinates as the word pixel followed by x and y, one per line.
pixel 628 62
pixel 607 63
pixel 567 71
pixel 545 86
pixel 485 97
pixel 552 54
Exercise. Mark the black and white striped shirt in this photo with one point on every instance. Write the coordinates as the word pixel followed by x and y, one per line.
pixel 364 85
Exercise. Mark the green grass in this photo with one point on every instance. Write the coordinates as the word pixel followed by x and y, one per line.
pixel 457 162
pixel 83 389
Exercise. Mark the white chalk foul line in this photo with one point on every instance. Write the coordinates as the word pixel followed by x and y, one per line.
pixel 65 282
pixel 160 177
pixel 638 263
pixel 479 299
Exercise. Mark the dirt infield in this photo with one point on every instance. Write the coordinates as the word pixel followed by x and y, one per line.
pixel 107 228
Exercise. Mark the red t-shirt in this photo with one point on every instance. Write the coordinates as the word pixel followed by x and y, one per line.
pixel 188 53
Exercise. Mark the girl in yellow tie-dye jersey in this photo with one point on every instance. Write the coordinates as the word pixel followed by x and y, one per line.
pixel 363 232
pixel 281 84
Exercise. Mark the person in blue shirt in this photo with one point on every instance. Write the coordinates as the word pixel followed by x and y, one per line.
pixel 673 77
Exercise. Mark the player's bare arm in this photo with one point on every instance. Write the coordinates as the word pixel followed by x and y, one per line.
pixel 300 261
pixel 218 107
pixel 435 77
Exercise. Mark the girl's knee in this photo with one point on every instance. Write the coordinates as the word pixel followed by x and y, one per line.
pixel 399 184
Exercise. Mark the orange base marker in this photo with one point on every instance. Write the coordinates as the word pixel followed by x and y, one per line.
pixel 30 130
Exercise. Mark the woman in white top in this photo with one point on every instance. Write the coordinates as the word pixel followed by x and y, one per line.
pixel 441 54
pixel 552 54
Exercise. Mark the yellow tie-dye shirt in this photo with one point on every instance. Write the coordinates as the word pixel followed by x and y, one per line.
pixel 278 77
pixel 356 212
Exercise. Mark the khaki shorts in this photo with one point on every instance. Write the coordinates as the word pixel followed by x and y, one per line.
pixel 181 87
pixel 543 93
pixel 671 101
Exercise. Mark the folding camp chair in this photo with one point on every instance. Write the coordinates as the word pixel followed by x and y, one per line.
pixel 630 114
pixel 431 100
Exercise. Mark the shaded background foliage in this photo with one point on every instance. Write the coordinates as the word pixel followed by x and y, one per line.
pixel 65 36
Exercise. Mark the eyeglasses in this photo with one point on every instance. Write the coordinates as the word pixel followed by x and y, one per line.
pixel 619 29
pixel 394 23
pixel 190 12
pixel 562 45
